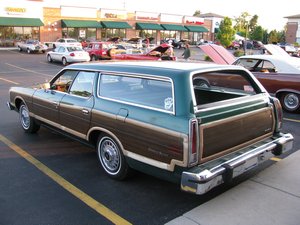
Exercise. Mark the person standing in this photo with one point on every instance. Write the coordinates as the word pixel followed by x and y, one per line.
pixel 187 52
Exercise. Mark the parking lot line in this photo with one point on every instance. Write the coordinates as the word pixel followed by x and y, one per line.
pixel 31 71
pixel 292 120
pixel 275 159
pixel 9 81
pixel 97 206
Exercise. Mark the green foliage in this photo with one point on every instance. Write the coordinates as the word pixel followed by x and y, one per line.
pixel 238 53
pixel 257 34
pixel 207 58
pixel 226 32
pixel 276 36
pixel 197 13
pixel 296 44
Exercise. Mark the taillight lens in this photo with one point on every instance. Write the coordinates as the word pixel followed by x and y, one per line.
pixel 72 54
pixel 278 114
pixel 193 143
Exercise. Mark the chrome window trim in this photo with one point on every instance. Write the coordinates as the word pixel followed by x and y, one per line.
pixel 142 76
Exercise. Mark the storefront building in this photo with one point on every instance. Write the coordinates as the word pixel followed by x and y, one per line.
pixel 292 34
pixel 17 23
pixel 37 20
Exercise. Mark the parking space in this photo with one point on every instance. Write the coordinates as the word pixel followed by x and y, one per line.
pixel 50 179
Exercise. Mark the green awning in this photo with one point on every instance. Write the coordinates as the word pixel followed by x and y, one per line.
pixel 173 27
pixel 196 29
pixel 148 26
pixel 80 23
pixel 20 22
pixel 115 25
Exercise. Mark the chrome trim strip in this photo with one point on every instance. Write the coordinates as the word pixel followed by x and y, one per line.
pixel 57 125
pixel 233 118
pixel 143 76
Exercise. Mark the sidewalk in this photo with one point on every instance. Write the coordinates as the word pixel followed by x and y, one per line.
pixel 270 198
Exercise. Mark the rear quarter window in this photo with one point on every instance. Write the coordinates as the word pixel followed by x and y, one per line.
pixel 150 93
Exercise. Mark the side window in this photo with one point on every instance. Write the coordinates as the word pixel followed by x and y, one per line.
pixel 145 92
pixel 83 84
pixel 63 81
pixel 61 49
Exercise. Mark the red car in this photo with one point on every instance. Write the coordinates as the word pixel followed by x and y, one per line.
pixel 98 50
pixel 161 52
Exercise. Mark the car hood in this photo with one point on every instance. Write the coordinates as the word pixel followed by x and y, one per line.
pixel 161 48
pixel 218 54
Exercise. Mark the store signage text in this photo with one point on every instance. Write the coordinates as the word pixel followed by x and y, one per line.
pixel 14 10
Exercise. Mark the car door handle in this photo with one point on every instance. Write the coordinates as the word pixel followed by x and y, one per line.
pixel 85 111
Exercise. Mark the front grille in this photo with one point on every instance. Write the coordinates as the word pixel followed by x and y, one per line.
pixel 227 135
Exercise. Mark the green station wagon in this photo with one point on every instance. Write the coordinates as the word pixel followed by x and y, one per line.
pixel 199 125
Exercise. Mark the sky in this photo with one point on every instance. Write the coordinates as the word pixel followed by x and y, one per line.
pixel 270 15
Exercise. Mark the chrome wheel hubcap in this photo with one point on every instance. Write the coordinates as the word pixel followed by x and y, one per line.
pixel 24 117
pixel 109 155
pixel 291 101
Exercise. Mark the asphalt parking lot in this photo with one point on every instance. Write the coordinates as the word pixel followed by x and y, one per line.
pixel 49 179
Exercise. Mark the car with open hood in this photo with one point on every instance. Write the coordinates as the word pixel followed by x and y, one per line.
pixel 278 73
pixel 161 52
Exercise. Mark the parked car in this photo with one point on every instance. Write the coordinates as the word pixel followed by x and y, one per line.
pixel 98 50
pixel 31 46
pixel 277 74
pixel 174 42
pixel 161 52
pixel 68 54
pixel 179 121
pixel 66 42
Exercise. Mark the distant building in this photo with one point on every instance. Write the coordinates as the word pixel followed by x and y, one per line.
pixel 215 23
pixel 293 29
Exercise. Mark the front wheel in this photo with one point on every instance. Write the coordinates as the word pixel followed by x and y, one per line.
pixel 27 122
pixel 290 102
pixel 111 158
pixel 49 58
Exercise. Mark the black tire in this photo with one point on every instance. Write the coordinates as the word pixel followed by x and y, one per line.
pixel 27 122
pixel 290 102
pixel 93 58
pixel 19 48
pixel 49 59
pixel 111 158
pixel 28 51
pixel 64 61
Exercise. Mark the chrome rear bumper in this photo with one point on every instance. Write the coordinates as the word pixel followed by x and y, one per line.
pixel 201 180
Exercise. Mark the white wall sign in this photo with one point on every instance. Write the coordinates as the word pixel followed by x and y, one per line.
pixel 146 16
pixel 113 14
pixel 171 18
pixel 82 12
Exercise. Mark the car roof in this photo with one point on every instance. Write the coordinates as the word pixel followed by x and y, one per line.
pixel 282 64
pixel 163 68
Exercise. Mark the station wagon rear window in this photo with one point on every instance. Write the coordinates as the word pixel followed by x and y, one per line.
pixel 145 92
pixel 224 85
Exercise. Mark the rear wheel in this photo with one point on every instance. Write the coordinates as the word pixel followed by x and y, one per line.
pixel 27 122
pixel 28 51
pixel 93 58
pixel 64 61
pixel 290 102
pixel 111 158
pixel 19 48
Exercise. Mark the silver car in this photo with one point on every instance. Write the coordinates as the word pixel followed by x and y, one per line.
pixel 68 54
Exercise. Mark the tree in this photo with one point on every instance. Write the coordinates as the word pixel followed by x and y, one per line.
pixel 226 32
pixel 257 34
pixel 273 38
pixel 197 13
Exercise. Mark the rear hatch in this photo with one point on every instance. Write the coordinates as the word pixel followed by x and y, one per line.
pixel 232 112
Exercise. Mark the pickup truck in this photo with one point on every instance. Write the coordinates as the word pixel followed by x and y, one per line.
pixel 31 46
pixel 199 125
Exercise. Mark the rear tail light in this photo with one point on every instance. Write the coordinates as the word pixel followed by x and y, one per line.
pixel 278 114
pixel 72 54
pixel 193 143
